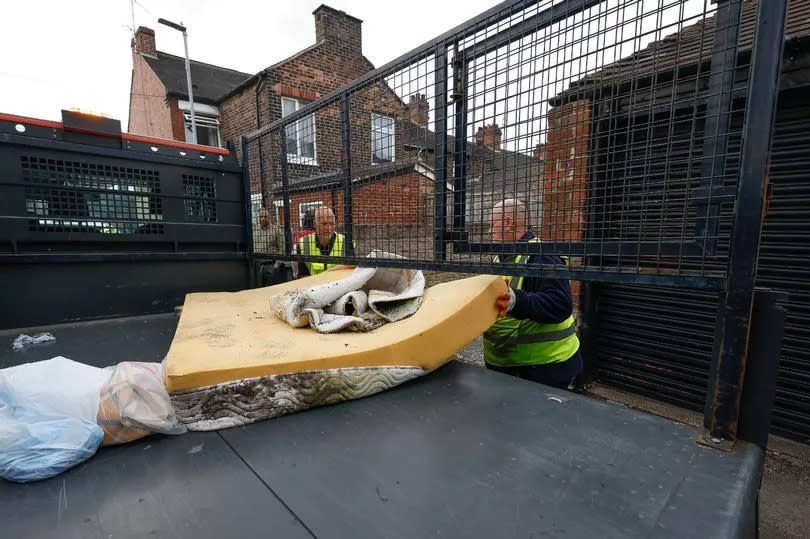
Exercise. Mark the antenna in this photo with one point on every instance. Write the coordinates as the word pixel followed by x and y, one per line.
pixel 132 8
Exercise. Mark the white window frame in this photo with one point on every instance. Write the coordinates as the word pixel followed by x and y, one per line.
pixel 202 120
pixel 304 206
pixel 279 206
pixel 386 132
pixel 255 206
pixel 300 127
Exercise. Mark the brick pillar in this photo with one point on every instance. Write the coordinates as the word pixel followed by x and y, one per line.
pixel 565 182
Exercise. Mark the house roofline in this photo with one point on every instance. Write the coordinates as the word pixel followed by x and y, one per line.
pixel 263 73
pixel 578 93
pixel 236 71
pixel 197 99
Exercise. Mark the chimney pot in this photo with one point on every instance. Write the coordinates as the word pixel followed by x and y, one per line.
pixel 540 151
pixel 489 136
pixel 418 108
pixel 331 23
pixel 144 42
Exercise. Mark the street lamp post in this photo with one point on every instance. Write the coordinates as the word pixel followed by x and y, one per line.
pixel 181 28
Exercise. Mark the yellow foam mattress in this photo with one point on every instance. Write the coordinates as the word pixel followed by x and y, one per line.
pixel 223 336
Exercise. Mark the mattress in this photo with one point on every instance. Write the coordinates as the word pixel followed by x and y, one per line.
pixel 233 362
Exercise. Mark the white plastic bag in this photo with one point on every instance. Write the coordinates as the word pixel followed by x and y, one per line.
pixel 48 417
pixel 135 403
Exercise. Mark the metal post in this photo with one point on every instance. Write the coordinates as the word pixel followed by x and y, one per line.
pixel 589 323
pixel 440 157
pixel 285 191
pixel 767 332
pixel 246 193
pixel 460 149
pixel 718 120
pixel 190 91
pixel 346 158
pixel 731 342
pixel 182 29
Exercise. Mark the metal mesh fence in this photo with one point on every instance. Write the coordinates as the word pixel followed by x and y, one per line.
pixel 581 138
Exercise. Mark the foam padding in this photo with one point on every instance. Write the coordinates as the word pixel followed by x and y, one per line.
pixel 228 336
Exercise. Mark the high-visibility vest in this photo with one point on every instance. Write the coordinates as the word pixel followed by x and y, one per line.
pixel 308 245
pixel 511 342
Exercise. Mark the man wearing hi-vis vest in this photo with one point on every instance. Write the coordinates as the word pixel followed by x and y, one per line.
pixel 535 335
pixel 323 242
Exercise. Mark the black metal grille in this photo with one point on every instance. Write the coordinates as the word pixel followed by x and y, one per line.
pixel 611 140
pixel 566 107
pixel 658 341
pixel 80 196
pixel 199 204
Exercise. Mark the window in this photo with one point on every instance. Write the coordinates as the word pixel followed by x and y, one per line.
pixel 255 206
pixel 382 138
pixel 279 206
pixel 207 128
pixel 300 134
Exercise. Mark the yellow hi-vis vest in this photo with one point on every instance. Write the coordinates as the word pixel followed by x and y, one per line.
pixel 511 342
pixel 308 245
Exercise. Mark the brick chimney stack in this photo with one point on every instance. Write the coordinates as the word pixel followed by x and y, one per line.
pixel 489 136
pixel 331 23
pixel 540 152
pixel 144 41
pixel 418 109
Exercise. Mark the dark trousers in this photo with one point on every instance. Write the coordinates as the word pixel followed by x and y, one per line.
pixel 557 375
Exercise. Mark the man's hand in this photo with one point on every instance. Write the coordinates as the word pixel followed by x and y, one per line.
pixel 505 302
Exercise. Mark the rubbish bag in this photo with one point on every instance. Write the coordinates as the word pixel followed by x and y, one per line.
pixel 276 273
pixel 134 403
pixel 48 417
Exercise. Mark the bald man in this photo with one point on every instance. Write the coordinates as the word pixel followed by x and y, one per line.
pixel 535 336
pixel 323 242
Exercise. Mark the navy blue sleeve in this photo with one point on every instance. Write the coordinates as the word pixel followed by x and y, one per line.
pixel 546 301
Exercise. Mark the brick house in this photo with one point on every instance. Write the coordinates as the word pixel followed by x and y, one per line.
pixel 240 103
pixel 392 145
pixel 158 99
pixel 397 187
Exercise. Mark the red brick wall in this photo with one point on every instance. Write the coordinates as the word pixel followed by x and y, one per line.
pixel 566 171
pixel 565 183
pixel 306 76
pixel 397 200
pixel 393 201
pixel 178 121
pixel 237 115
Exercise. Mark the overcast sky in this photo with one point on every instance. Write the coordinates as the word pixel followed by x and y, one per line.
pixel 76 54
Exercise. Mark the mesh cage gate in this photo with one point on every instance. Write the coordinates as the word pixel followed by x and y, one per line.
pixel 611 128
pixel 606 140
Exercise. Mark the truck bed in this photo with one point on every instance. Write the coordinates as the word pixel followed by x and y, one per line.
pixel 462 452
